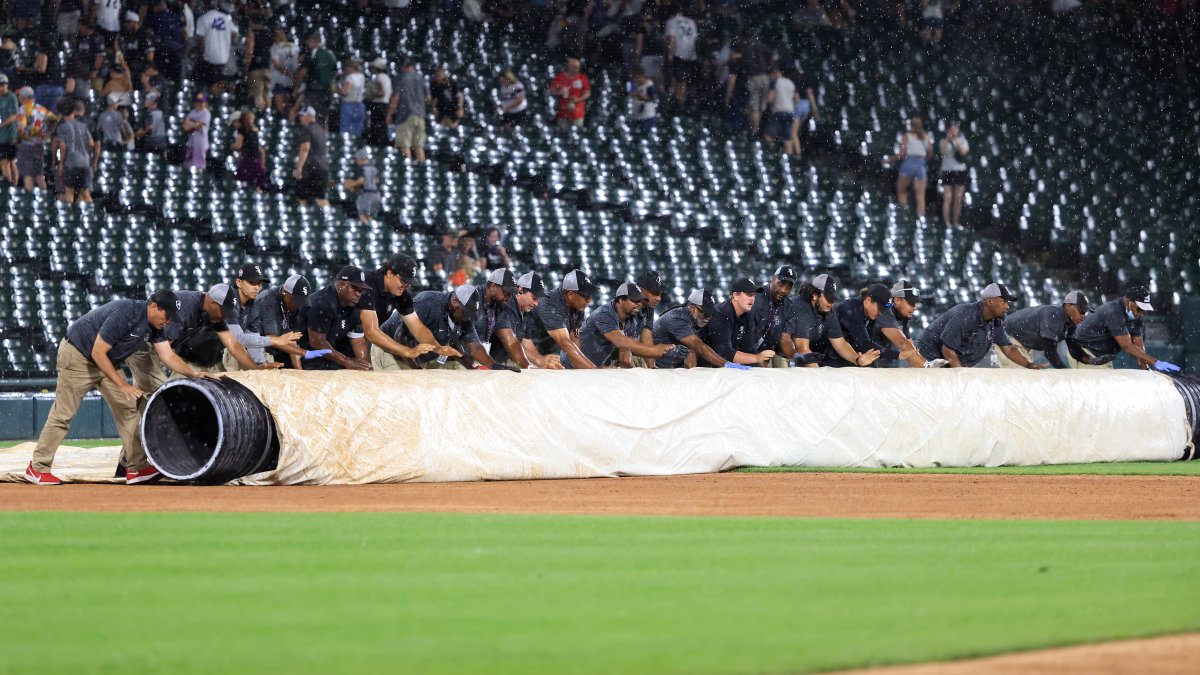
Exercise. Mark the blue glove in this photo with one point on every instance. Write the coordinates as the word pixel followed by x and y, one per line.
pixel 736 366
pixel 1164 367
pixel 316 353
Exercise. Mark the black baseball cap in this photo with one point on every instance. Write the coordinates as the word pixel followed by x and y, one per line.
pixel 1080 301
pixel 786 273
pixel 532 282
pixel 630 290
pixel 826 285
pixel 353 276
pixel 580 283
pixel 650 282
pixel 504 279
pixel 904 289
pixel 704 300
pixel 998 290
pixel 224 296
pixel 882 295
pixel 403 266
pixel 168 302
pixel 252 273
pixel 471 299
pixel 298 287
pixel 744 286
pixel 1140 295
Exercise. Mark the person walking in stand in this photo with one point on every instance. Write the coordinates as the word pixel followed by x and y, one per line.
pixel 954 149
pixel 572 90
pixel 34 124
pixel 312 160
pixel 74 154
pixel 196 125
pixel 8 131
pixel 251 168
pixel 378 95
pixel 407 111
pixel 364 179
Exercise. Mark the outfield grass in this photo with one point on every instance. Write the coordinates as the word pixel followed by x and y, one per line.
pixel 452 593
pixel 1100 468
pixel 77 442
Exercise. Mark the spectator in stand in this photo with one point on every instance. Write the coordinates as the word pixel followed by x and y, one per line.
pixel 46 75
pixel 572 89
pixel 933 20
pixel 8 65
pixel 106 16
pixel 781 102
pixel 166 28
pixel 195 125
pixel 33 130
pixel 494 256
pixel 915 150
pixel 69 14
pixel 683 66
pixel 109 125
pixel 259 44
pixel 119 81
pixel 954 150
pixel 312 161
pixel 85 62
pixel 215 30
pixel 407 110
pixel 444 257
pixel 447 99
pixel 379 95
pixel 643 99
pixel 353 112
pixel 154 127
pixel 8 131
pixel 754 64
pixel 285 61
pixel 514 109
pixel 74 154
pixel 138 47
pixel 364 179
pixel 317 69
pixel 806 107
pixel 252 156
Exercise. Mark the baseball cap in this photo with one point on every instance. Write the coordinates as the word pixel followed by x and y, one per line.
pixel 132 16
pixel 504 279
pixel 1140 295
pixel 353 276
pixel 362 154
pixel 882 295
pixel 826 285
pixel 998 290
pixel 630 290
pixel 200 97
pixel 152 96
pixel 471 300
pixel 580 283
pixel 786 273
pixel 704 300
pixel 744 286
pixel 3 78
pixel 25 92
pixel 226 6
pixel 403 266
pixel 252 273
pixel 298 287
pixel 308 111
pixel 224 296
pixel 532 282
pixel 235 116
pixel 904 289
pixel 1080 301
pixel 166 299
pixel 114 98
pixel 650 282
pixel 379 63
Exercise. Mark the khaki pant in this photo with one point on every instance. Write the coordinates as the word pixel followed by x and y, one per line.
pixel 148 371
pixel 1002 359
pixel 1076 364
pixel 565 124
pixel 759 87
pixel 76 377
pixel 411 133
pixel 230 364
pixel 385 361
pixel 778 361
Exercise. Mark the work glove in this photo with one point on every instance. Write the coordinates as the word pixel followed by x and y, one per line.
pixel 316 353
pixel 801 360
pixel 736 366
pixel 1164 367
pixel 937 363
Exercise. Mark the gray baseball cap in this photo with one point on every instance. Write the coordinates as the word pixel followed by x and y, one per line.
pixel 704 300
pixel 532 282
pixel 504 279
pixel 297 287
pixel 1078 299
pixel 998 290
pixel 904 289
pixel 630 290
pixel 580 283
pixel 826 285
pixel 471 300
pixel 224 296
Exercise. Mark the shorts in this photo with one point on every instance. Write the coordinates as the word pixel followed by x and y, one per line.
pixel 208 74
pixel 77 178
pixel 411 133
pixel 564 124
pixel 803 110
pixel 256 83
pixel 368 204
pixel 314 184
pixel 779 125
pixel 31 159
pixel 8 151
pixel 517 118
pixel 647 124
pixel 281 90
pixel 933 22
pixel 685 71
pixel 913 168
pixel 954 178
pixel 759 87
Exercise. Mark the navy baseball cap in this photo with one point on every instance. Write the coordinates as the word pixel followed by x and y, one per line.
pixel 1140 295
pixel 580 283
pixel 532 282
pixel 786 273
pixel 504 279
pixel 882 295
pixel 1080 301
pixel 998 290
pixel 826 285
pixel 252 273
pixel 168 302
pixel 744 286
pixel 402 266
pixel 353 276
pixel 224 296
pixel 650 282
pixel 630 290
pixel 298 287
pixel 704 300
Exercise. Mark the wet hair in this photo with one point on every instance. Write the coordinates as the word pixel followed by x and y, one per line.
pixel 807 292
pixel 917 128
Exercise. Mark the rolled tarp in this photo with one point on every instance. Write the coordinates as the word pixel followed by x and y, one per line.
pixel 348 427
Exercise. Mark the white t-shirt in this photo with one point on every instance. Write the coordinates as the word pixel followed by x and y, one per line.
pixel 288 56
pixel 217 28
pixel 785 93
pixel 684 31
pixel 509 93
pixel 358 84
pixel 644 110
pixel 949 163
pixel 383 87
pixel 108 15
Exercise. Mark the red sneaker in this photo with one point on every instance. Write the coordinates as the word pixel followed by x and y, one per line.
pixel 36 478
pixel 144 476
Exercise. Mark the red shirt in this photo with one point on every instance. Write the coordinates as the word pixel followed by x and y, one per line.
pixel 578 86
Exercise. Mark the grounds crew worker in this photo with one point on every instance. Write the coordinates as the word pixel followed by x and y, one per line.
pixel 451 316
pixel 604 335
pixel 730 332
pixel 812 325
pixel 330 324
pixel 854 316
pixel 509 343
pixel 770 314
pixel 499 289
pixel 201 336
pixel 681 327
pixel 965 334
pixel 279 314
pixel 246 322
pixel 1115 327
pixel 387 291
pixel 554 325
pixel 892 326
pixel 1041 329
pixel 89 357
pixel 641 328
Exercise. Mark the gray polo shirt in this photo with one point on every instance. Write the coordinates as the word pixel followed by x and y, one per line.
pixel 964 331
pixel 411 90
pixel 75 136
pixel 592 342
pixel 1038 328
pixel 246 326
pixel 670 329
pixel 122 324
pixel 1099 329
pixel 318 146
pixel 271 317
pixel 431 308
pixel 509 316
pixel 191 318
pixel 805 322
pixel 552 313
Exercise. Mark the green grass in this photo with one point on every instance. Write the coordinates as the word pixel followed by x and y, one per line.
pixel 452 593
pixel 77 442
pixel 1100 468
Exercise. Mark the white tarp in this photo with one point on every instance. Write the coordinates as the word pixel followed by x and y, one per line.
pixel 460 425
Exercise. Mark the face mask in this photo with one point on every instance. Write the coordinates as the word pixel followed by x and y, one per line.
pixel 1129 313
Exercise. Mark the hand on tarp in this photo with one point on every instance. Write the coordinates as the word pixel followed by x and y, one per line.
pixel 479 366
pixel 505 366
pixel 807 359
pixel 937 363
pixel 736 366
pixel 316 353
pixel 1164 367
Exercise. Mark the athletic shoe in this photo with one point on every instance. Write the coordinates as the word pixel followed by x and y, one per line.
pixel 144 476
pixel 36 478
